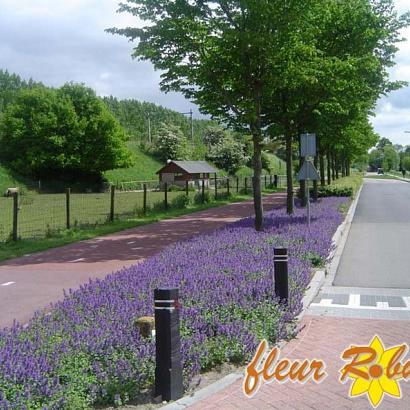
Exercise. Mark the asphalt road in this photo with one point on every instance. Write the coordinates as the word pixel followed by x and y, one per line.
pixel 377 252
pixel 32 282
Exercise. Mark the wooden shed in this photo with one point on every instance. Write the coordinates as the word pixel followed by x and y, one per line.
pixel 178 172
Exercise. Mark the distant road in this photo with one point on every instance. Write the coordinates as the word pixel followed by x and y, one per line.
pixel 377 252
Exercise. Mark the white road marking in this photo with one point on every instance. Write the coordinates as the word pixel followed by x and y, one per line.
pixel 362 307
pixel 382 305
pixel 7 283
pixel 407 301
pixel 354 300
pixel 325 302
pixel 77 260
pixel 129 243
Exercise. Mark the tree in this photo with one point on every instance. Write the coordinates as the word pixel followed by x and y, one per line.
pixel 228 155
pixel 391 158
pixel 61 133
pixel 224 55
pixel 214 135
pixel 171 143
pixel 406 163
pixel 383 142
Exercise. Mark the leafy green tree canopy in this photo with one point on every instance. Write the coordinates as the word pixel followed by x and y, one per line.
pixel 58 133
pixel 228 155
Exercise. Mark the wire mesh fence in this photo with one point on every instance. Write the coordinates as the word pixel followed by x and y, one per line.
pixel 33 216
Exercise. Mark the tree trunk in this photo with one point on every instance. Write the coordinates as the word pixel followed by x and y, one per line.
pixel 315 183
pixel 348 167
pixel 289 171
pixel 333 167
pixel 322 169
pixel 256 181
pixel 343 167
pixel 337 166
pixel 329 168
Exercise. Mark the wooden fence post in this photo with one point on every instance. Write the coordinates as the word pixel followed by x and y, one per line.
pixel 237 185
pixel 166 195
pixel 203 190
pixel 227 186
pixel 15 215
pixel 276 181
pixel 112 209
pixel 67 207
pixel 266 181
pixel 187 188
pixel 144 203
pixel 246 185
pixel 216 187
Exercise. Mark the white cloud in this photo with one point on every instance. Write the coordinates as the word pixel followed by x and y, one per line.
pixel 55 41
pixel 59 41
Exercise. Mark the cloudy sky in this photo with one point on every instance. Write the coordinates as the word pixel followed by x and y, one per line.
pixel 59 41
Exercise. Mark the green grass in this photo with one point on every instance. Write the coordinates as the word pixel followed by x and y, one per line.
pixel 144 169
pixel 355 181
pixel 8 179
pixel 277 165
pixel 61 237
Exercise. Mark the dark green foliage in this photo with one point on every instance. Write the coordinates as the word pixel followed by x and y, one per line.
pixel 180 201
pixel 334 190
pixel 10 84
pixel 199 199
pixel 228 155
pixel 133 116
pixel 406 163
pixel 61 133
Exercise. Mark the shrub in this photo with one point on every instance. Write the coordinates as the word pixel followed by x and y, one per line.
pixel 206 199
pixel 180 201
pixel 175 188
pixel 334 190
pixel 224 195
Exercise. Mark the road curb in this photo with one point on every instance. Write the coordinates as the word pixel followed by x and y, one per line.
pixel 399 178
pixel 203 393
pixel 339 242
pixel 315 284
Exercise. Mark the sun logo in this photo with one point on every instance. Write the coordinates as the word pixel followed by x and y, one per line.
pixel 375 370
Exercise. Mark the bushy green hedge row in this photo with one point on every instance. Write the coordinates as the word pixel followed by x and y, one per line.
pixel 334 190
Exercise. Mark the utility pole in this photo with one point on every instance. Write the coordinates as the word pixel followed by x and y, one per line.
pixel 191 115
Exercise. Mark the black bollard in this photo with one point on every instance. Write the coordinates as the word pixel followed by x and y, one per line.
pixel 168 370
pixel 280 261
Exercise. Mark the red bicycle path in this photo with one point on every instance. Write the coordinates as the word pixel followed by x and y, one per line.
pixel 32 282
pixel 323 338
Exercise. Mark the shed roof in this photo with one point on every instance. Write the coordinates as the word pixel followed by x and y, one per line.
pixel 192 167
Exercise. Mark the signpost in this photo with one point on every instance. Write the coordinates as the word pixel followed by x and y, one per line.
pixel 308 171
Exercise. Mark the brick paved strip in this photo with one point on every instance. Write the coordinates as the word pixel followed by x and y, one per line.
pixel 321 338
pixel 40 278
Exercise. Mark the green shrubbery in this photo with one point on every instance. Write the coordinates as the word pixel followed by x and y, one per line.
pixel 333 190
pixel 180 201
pixel 202 199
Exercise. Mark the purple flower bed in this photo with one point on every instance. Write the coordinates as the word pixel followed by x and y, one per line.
pixel 88 350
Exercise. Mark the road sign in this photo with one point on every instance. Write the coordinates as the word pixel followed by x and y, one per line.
pixel 308 145
pixel 307 172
